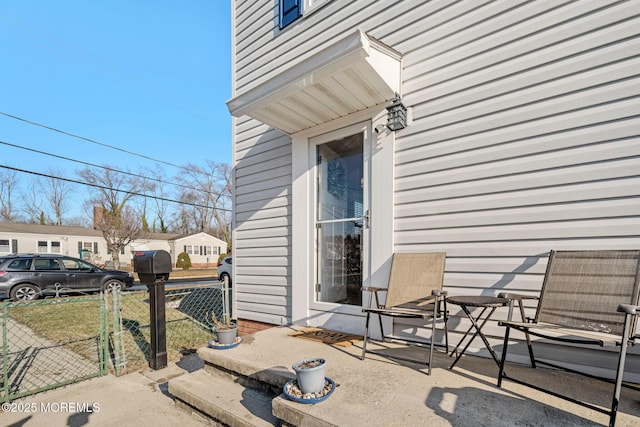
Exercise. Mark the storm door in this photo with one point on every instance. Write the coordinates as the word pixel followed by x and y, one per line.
pixel 340 220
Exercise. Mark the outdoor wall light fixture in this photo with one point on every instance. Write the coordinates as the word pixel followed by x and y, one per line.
pixel 396 114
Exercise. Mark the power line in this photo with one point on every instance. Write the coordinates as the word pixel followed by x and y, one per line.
pixel 93 141
pixel 97 166
pixel 112 189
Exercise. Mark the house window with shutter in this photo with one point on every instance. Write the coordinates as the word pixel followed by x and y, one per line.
pixel 4 245
pixel 290 10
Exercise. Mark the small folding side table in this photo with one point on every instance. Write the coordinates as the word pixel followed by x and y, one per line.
pixel 486 302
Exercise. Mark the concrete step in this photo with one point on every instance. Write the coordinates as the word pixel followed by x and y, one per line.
pixel 248 371
pixel 222 400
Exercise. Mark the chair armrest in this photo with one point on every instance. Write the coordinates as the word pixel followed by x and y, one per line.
pixel 514 296
pixel 374 289
pixel 628 308
pixel 373 294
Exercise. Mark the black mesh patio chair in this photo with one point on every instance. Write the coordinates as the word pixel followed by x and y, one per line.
pixel 415 292
pixel 588 298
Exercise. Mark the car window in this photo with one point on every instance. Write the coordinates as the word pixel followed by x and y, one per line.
pixel 76 265
pixel 47 264
pixel 70 264
pixel 228 261
pixel 20 264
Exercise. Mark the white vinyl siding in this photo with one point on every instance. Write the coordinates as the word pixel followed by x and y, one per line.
pixel 524 137
pixel 262 234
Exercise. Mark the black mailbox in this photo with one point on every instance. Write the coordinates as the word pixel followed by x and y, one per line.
pixel 152 266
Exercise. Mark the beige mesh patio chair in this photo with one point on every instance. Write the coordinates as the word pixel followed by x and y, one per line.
pixel 588 298
pixel 414 291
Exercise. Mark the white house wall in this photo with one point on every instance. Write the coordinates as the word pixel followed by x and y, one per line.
pixel 524 138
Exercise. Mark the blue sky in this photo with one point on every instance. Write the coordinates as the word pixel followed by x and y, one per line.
pixel 147 76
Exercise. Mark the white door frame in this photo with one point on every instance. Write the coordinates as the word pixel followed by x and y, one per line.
pixel 379 166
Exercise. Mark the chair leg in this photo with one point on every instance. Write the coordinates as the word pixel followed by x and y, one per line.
pixel 528 337
pixel 620 372
pixel 366 335
pixel 504 356
pixel 530 347
pixel 446 327
pixel 381 330
pixel 433 336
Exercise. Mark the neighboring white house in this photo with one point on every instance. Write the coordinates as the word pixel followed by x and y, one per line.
pixel 87 243
pixel 522 137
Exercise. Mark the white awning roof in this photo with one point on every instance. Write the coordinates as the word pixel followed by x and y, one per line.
pixel 353 74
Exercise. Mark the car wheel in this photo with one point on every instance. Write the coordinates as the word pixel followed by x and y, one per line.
pixel 224 277
pixel 24 292
pixel 112 285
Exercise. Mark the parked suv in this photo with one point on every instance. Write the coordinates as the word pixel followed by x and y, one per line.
pixel 28 276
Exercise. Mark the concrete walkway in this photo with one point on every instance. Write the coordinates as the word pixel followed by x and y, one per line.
pixel 137 399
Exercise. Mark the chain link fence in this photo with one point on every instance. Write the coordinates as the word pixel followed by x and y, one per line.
pixel 50 343
pixel 53 342
pixel 189 313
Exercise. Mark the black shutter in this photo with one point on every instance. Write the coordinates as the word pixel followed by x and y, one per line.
pixel 289 11
pixel 95 247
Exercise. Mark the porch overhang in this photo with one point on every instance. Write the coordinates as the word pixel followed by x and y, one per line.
pixel 353 74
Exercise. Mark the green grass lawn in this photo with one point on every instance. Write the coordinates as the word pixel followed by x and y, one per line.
pixel 71 320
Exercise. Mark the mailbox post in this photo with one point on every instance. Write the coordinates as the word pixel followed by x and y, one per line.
pixel 153 268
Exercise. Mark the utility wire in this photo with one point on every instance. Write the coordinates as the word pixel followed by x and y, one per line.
pixel 93 141
pixel 98 166
pixel 112 189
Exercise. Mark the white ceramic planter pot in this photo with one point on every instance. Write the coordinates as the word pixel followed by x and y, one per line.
pixel 310 374
pixel 227 336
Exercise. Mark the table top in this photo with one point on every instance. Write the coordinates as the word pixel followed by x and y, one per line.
pixel 478 301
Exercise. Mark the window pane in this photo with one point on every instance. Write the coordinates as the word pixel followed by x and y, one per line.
pixel 55 247
pixel 339 212
pixel 4 245
pixel 42 246
pixel 20 264
pixel 340 174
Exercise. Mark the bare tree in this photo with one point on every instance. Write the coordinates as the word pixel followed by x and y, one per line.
pixel 46 192
pixel 8 186
pixel 32 202
pixel 206 192
pixel 112 193
pixel 158 186
pixel 57 193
